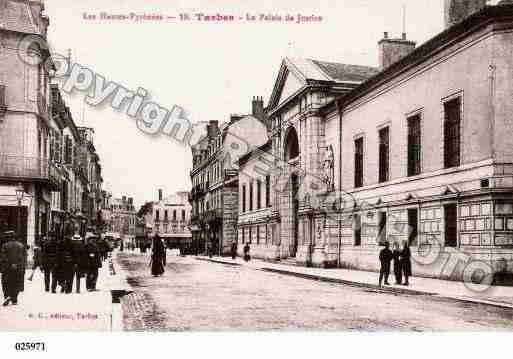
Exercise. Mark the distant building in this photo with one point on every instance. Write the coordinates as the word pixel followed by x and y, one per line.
pixel 169 217
pixel 121 218
pixel 214 196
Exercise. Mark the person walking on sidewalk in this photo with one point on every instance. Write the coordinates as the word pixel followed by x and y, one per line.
pixel 385 257
pixel 12 264
pixel 49 262
pixel 93 263
pixel 79 261
pixel 247 256
pixel 398 270
pixel 406 262
pixel 66 265
pixel 234 250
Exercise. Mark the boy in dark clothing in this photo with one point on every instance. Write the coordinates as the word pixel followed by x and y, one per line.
pixel 385 257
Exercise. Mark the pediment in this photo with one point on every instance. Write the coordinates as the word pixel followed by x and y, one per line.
pixel 290 81
pixel 291 85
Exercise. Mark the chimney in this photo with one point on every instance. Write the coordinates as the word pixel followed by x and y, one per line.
pixel 257 107
pixel 393 50
pixel 130 201
pixel 456 11
pixel 212 129
pixel 160 195
pixel 123 199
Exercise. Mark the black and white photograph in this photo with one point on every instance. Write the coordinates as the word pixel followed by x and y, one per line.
pixel 273 167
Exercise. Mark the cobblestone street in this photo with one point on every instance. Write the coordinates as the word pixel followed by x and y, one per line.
pixel 199 295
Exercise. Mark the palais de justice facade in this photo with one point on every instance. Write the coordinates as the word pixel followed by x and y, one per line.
pixel 418 150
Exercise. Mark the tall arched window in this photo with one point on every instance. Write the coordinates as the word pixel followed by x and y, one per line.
pixel 291 145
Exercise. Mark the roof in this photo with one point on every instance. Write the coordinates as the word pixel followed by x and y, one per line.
pixel 324 72
pixel 346 73
pixel 16 15
pixel 318 70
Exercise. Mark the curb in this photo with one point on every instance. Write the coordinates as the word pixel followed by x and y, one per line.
pixel 218 261
pixel 347 282
pixel 367 285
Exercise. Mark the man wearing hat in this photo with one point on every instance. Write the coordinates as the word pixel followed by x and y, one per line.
pixel 79 261
pixel 12 265
pixel 50 262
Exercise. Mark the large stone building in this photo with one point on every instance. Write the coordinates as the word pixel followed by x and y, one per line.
pixel 419 151
pixel 43 155
pixel 25 123
pixel 214 176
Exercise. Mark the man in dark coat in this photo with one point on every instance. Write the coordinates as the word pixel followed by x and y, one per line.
pixel 385 257
pixel 49 262
pixel 406 262
pixel 13 260
pixel 234 250
pixel 66 265
pixel 93 263
pixel 247 256
pixel 79 261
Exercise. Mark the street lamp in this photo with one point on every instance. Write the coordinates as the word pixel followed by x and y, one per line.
pixel 20 192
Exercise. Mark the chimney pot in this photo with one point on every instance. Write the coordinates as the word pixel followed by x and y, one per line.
pixel 385 35
pixel 404 36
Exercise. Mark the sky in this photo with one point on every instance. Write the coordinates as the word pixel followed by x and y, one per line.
pixel 210 69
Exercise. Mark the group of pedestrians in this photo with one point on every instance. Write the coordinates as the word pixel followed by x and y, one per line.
pixel 63 261
pixel 402 263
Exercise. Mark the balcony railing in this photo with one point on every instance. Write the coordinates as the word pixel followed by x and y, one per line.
pixel 28 168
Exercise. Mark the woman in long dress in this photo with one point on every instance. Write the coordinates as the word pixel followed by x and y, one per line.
pixel 158 257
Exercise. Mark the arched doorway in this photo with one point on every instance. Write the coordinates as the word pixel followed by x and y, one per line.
pixel 291 154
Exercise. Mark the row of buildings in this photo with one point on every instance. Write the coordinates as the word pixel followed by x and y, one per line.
pixel 345 157
pixel 50 172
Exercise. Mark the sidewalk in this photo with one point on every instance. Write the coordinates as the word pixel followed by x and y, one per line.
pixel 496 295
pixel 38 310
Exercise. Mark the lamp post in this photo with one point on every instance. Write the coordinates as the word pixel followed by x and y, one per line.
pixel 20 193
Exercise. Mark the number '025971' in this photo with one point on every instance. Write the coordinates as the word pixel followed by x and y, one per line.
pixel 28 346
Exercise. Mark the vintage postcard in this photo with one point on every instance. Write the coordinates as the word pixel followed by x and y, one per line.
pixel 219 166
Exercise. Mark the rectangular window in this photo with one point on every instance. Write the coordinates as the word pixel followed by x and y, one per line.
pixel 451 226
pixel 268 191
pixel 165 215
pixel 251 196
pixel 413 219
pixel 243 232
pixel 243 198
pixel 259 194
pixel 384 154
pixel 183 215
pixel 157 215
pixel 250 239
pixel 258 235
pixel 174 215
pixel 452 123
pixel 358 162
pixel 357 230
pixel 414 145
pixel 382 228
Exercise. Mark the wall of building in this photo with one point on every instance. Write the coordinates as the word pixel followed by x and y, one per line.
pixel 464 72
